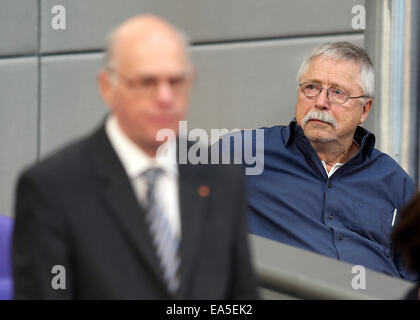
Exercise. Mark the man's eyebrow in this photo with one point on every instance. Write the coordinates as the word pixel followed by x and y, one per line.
pixel 338 86
pixel 313 80
pixel 332 84
pixel 146 74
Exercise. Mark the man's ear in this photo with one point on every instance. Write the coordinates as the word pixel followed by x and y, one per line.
pixel 366 109
pixel 105 87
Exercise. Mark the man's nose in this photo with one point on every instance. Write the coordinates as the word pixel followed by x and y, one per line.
pixel 321 100
pixel 164 92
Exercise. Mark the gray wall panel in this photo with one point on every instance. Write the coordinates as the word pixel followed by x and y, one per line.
pixel 70 103
pixel 18 123
pixel 88 22
pixel 18 27
pixel 239 85
pixel 250 85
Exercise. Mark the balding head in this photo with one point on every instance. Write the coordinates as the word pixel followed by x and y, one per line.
pixel 144 29
pixel 147 79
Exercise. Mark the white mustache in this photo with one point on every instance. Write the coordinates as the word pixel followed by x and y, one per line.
pixel 321 116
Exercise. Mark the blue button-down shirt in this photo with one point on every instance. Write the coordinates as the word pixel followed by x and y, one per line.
pixel 348 216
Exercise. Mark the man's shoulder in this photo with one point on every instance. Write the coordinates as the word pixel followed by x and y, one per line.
pixel 223 172
pixel 268 133
pixel 68 160
pixel 386 163
pixel 386 160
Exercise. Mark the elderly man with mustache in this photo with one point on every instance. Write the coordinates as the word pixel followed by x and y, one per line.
pixel 324 187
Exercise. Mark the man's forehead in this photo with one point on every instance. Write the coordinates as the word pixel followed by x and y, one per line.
pixel 151 55
pixel 333 72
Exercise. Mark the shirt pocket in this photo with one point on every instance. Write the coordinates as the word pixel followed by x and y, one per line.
pixel 375 224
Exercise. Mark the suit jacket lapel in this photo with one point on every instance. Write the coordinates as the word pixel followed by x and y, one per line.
pixel 119 199
pixel 192 209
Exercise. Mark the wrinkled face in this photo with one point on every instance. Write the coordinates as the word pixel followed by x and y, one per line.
pixel 148 87
pixel 342 75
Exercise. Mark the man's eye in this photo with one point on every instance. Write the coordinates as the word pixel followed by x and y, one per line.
pixel 337 92
pixel 147 82
pixel 177 81
pixel 311 87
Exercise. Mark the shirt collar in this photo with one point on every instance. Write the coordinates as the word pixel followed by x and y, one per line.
pixel 134 160
pixel 364 138
pixel 291 130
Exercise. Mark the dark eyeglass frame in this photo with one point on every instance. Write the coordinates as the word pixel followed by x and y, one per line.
pixel 136 84
pixel 328 92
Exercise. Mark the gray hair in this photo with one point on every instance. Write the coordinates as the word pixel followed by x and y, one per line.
pixel 345 51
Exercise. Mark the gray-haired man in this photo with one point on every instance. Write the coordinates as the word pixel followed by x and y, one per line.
pixel 324 187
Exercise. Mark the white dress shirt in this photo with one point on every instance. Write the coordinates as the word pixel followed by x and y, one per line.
pixel 337 165
pixel 135 162
pixel 333 169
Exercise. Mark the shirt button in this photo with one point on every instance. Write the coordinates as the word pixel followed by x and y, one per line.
pixel 331 216
pixel 329 185
pixel 340 236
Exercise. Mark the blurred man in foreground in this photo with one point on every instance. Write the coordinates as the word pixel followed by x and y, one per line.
pixel 112 219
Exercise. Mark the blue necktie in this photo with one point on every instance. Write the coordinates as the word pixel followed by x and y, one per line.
pixel 164 239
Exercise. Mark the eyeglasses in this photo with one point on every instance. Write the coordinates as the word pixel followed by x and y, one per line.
pixel 334 95
pixel 148 85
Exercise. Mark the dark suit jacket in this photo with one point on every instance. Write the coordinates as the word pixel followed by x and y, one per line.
pixel 77 209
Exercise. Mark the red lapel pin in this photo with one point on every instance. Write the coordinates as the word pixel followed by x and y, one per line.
pixel 203 191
